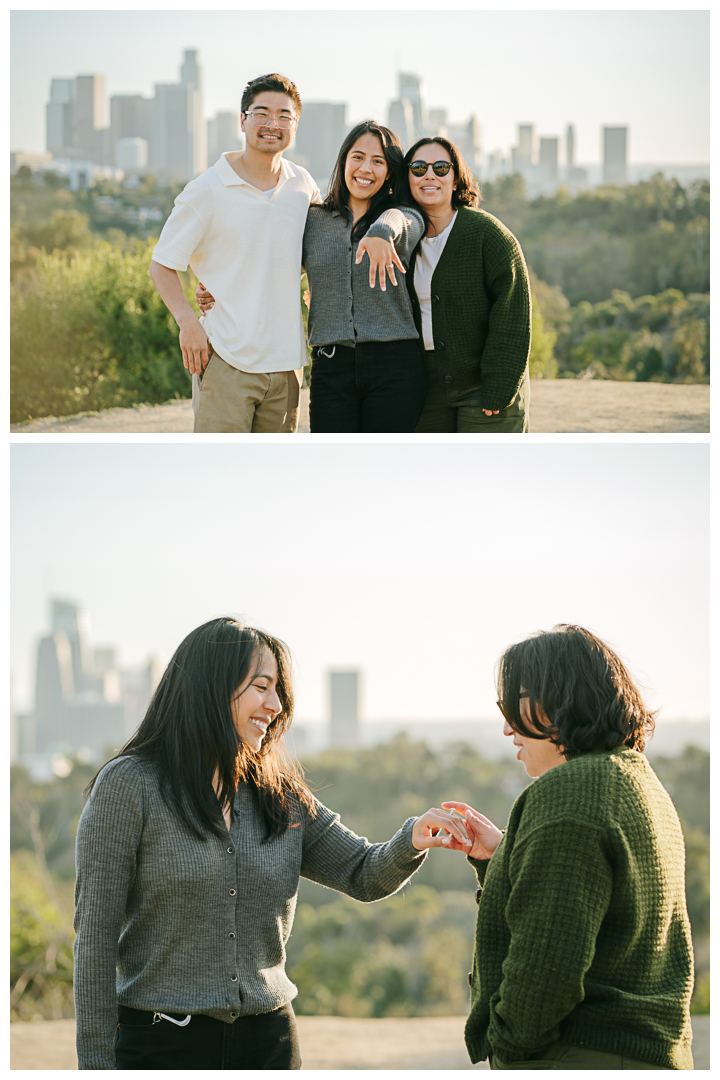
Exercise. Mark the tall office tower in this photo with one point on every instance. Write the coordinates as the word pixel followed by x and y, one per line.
pixel 54 685
pixel 523 155
pixel 190 75
pixel 570 147
pixel 411 87
pixel 438 122
pixel 344 708
pixel 615 155
pixel 548 158
pixel 60 136
pixel 467 137
pixel 73 622
pixel 178 148
pixel 130 118
pixel 320 133
pixel 222 135
pixel 90 118
pixel 400 120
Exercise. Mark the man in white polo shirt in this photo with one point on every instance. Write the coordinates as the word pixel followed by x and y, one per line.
pixel 239 226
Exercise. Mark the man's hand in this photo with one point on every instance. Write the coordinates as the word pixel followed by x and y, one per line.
pixel 382 255
pixel 194 345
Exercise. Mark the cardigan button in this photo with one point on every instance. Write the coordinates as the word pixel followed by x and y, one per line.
pixel 448 378
pixel 440 345
pixel 436 299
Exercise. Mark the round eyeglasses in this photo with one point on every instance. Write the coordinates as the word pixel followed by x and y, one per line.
pixel 440 168
pixel 264 119
pixel 502 705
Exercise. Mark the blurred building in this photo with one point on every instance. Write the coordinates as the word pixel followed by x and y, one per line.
pixel 408 115
pixel 131 155
pixel 548 158
pixel 90 127
pixel 178 148
pixel 615 155
pixel 320 133
pixel 223 135
pixel 84 703
pixel 131 117
pixel 60 136
pixel 344 723
pixel 524 154
pixel 400 120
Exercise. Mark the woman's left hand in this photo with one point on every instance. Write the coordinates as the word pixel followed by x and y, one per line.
pixel 205 299
pixel 426 831
pixel 382 255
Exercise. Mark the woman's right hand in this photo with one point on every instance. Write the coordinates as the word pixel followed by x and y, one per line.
pixel 205 299
pixel 484 835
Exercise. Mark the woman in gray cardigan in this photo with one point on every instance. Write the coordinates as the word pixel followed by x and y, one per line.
pixel 367 371
pixel 189 853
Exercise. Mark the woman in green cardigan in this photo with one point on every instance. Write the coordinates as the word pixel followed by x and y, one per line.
pixel 583 956
pixel 471 301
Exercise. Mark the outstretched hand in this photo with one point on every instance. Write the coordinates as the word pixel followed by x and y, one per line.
pixel 383 257
pixel 484 835
pixel 427 831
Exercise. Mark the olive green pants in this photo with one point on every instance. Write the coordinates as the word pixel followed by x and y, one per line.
pixel 560 1055
pixel 448 409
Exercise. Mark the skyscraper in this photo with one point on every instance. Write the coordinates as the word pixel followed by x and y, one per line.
pixel 400 120
pixel 570 147
pixel 615 155
pixel 344 708
pixel 222 135
pixel 523 155
pixel 411 87
pixel 320 133
pixel 90 118
pixel 131 117
pixel 60 136
pixel 178 148
pixel 548 158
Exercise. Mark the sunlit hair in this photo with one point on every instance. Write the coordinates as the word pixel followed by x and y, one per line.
pixel 189 733
pixel 276 84
pixel 394 192
pixel 467 192
pixel 581 686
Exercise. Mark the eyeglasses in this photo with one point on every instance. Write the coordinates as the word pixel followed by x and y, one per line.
pixel 264 119
pixel 502 705
pixel 440 168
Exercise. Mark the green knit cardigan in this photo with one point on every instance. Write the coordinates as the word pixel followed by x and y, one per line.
pixel 481 309
pixel 582 930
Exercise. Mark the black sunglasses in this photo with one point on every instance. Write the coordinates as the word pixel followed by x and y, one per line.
pixel 440 168
pixel 502 706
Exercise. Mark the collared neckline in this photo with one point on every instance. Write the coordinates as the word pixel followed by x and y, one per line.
pixel 230 178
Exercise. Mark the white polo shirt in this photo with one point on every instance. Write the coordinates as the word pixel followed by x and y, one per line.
pixel 246 248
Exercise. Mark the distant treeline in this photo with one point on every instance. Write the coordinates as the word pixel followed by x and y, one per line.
pixel 620 284
pixel 404 956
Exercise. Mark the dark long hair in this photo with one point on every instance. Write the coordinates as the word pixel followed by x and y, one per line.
pixel 581 686
pixel 467 192
pixel 394 192
pixel 189 733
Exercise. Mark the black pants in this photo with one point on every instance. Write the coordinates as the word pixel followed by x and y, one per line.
pixel 377 386
pixel 267 1041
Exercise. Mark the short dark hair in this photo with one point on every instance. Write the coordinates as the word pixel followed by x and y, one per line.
pixel 276 84
pixel 467 192
pixel 189 733
pixel 394 191
pixel 581 686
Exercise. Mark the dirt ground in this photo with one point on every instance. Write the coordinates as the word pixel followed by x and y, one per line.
pixel 557 405
pixel 326 1042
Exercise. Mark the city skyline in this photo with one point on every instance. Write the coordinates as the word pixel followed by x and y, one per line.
pixel 644 70
pixel 455 551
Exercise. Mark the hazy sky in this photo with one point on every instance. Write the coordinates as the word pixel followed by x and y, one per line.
pixel 647 69
pixel 418 564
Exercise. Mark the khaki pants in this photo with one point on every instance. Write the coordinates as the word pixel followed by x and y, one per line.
pixel 227 399
pixel 560 1055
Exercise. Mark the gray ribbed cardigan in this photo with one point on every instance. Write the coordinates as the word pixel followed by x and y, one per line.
pixel 167 922
pixel 344 309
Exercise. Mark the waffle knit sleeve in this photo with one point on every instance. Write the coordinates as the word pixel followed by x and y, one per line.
pixel 403 226
pixel 553 933
pixel 507 348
